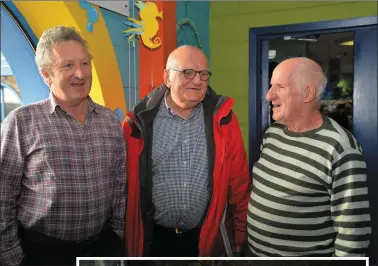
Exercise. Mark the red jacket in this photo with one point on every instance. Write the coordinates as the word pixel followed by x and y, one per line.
pixel 229 176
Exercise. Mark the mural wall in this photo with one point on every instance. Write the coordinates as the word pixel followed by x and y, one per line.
pixel 129 48
pixel 193 24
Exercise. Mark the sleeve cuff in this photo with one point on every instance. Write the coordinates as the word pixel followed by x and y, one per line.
pixel 12 257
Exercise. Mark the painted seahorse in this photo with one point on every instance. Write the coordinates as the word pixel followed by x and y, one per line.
pixel 147 27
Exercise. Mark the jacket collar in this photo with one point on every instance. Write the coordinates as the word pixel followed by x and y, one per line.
pixel 152 100
pixel 145 111
pixel 155 97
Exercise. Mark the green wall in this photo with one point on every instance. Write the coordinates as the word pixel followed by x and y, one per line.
pixel 229 40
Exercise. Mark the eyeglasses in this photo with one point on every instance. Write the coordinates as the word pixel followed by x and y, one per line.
pixel 191 73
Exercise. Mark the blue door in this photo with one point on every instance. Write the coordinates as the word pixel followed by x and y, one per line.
pixel 365 117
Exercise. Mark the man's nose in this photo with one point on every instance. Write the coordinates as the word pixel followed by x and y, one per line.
pixel 197 78
pixel 270 95
pixel 79 72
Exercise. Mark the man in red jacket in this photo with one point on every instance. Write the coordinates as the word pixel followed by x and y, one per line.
pixel 187 167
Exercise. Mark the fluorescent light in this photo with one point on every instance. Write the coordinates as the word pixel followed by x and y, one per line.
pixel 347 43
pixel 309 39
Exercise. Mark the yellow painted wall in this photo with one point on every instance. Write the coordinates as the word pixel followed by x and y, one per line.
pixel 229 38
pixel 107 88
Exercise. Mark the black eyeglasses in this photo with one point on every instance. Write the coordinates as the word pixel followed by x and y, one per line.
pixel 191 73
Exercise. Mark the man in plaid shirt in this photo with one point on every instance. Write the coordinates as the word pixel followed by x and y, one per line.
pixel 63 165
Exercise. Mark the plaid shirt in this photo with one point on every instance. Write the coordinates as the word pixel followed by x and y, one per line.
pixel 179 168
pixel 59 177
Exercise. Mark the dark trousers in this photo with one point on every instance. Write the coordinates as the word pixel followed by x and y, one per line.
pixel 167 243
pixel 40 249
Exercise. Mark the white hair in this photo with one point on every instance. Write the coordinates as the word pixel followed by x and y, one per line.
pixel 320 89
pixel 303 73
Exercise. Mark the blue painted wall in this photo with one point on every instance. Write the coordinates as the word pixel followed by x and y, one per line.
pixel 127 55
pixel 189 14
pixel 20 56
pixel 28 31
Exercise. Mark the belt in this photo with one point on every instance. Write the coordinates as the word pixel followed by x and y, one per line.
pixel 177 231
pixel 32 235
pixel 180 231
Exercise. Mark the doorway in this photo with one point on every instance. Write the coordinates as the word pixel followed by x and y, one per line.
pixel 351 94
pixel 335 54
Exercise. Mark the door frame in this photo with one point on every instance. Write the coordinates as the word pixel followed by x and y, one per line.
pixel 258 86
pixel 257 36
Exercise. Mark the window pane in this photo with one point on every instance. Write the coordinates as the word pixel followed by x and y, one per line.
pixel 10 94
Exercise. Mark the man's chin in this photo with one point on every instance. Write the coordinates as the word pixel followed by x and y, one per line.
pixel 191 103
pixel 276 118
pixel 80 97
pixel 197 99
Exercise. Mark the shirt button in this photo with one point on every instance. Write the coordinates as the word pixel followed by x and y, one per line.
pixel 184 184
pixel 184 162
pixel 184 206
pixel 185 141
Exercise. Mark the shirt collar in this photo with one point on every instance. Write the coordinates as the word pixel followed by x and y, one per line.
pixel 194 112
pixel 53 104
pixel 166 104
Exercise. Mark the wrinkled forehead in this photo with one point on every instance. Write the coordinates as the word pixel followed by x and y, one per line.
pixel 281 75
pixel 191 60
pixel 69 49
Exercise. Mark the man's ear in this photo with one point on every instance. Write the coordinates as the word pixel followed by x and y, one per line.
pixel 309 93
pixel 167 80
pixel 46 76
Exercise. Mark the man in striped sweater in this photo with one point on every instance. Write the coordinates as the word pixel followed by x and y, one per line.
pixel 310 195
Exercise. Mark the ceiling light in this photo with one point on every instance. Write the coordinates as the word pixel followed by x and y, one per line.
pixel 347 43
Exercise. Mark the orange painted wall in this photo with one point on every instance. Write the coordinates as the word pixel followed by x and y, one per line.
pixel 152 62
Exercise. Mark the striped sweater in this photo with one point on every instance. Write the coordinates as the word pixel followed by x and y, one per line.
pixel 310 195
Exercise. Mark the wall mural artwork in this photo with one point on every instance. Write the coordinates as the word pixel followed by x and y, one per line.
pixel 92 14
pixel 187 33
pixel 186 30
pixel 120 7
pixel 147 27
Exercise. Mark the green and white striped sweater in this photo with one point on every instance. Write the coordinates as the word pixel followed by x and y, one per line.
pixel 310 195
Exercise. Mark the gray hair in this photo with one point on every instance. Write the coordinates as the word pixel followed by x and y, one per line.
pixel 51 37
